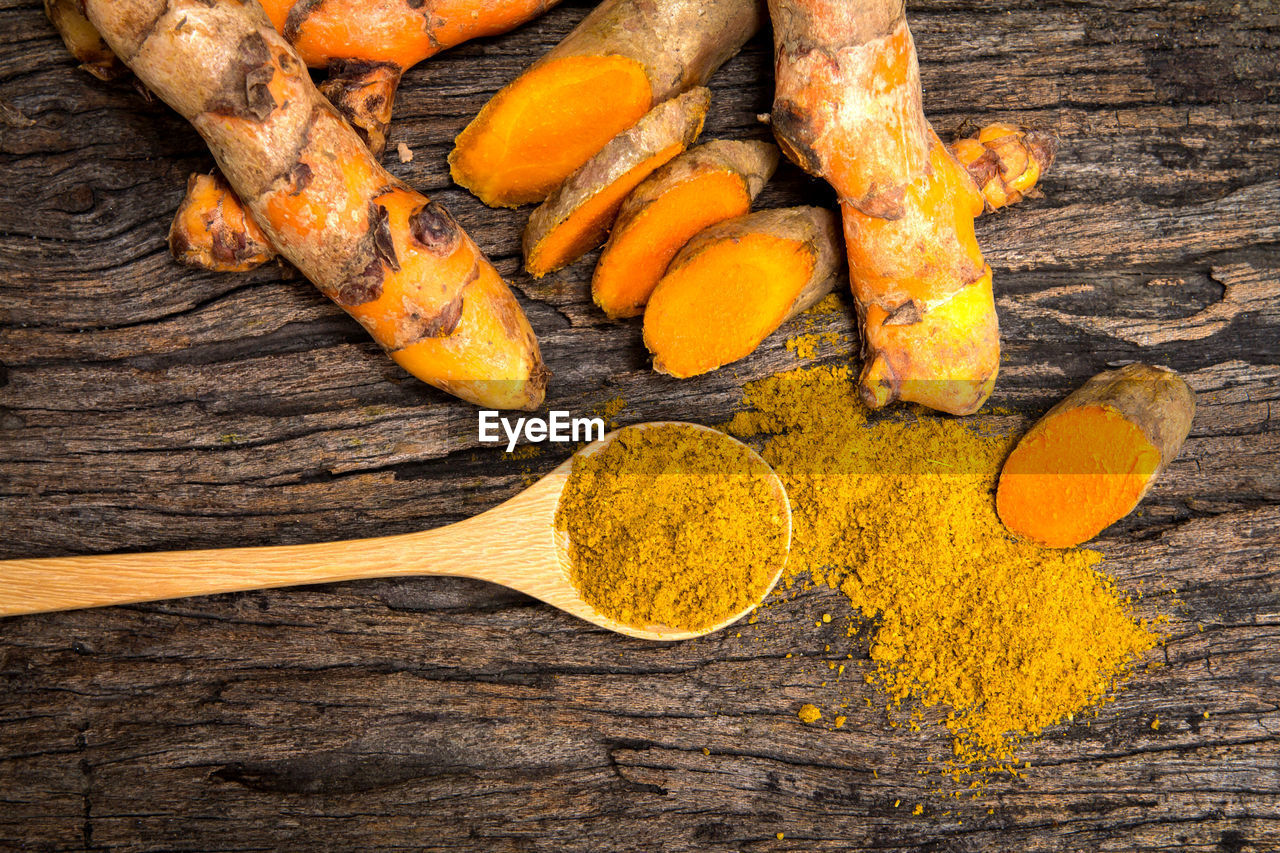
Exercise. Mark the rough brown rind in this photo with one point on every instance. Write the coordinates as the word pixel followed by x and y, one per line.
pixel 364 92
pixel 1155 399
pixel 227 240
pixel 677 121
pixel 1005 162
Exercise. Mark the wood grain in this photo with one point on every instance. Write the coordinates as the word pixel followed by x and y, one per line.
pixel 146 407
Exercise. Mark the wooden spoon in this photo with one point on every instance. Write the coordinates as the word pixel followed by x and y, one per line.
pixel 515 544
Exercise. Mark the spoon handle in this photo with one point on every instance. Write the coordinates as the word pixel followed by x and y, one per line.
pixel 510 544
pixel 66 583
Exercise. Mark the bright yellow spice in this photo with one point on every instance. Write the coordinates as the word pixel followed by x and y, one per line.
pixel 672 525
pixel 809 714
pixel 899 515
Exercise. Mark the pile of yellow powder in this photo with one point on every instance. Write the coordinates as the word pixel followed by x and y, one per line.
pixel 899 515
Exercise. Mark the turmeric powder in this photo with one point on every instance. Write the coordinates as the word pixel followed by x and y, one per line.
pixel 673 525
pixel 899 515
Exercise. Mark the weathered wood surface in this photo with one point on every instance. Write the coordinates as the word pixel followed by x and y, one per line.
pixel 144 406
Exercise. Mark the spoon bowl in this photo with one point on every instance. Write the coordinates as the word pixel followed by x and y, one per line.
pixel 514 544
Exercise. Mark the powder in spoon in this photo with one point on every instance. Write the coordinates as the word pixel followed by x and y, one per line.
pixel 672 525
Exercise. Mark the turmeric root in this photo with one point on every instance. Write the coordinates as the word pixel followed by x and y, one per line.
pixel 1089 461
pixel 705 185
pixel 847 108
pixel 401 32
pixel 211 219
pixel 395 261
pixel 577 216
pixel 1005 161
pixel 624 58
pixel 366 45
pixel 735 283
pixel 212 229
pixel 83 41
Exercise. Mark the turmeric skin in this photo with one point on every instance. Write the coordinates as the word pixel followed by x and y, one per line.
pixel 576 218
pixel 364 93
pixel 395 261
pixel 673 525
pixel 735 283
pixel 623 59
pixel 705 185
pixel 847 108
pixel 1089 461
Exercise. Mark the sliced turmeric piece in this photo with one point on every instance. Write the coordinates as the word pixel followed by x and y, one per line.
pixel 576 218
pixel 621 60
pixel 213 231
pixel 705 185
pixel 1090 460
pixel 735 283
pixel 391 258
pixel 538 130
pixel 847 108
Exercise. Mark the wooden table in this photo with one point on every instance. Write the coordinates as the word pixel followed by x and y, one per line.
pixel 145 406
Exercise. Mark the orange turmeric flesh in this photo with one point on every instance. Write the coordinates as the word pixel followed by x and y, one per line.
pixel 587 226
pixel 547 123
pixel 1074 474
pixel 719 306
pixel 638 254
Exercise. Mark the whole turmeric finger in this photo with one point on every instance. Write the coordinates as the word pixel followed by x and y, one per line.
pixel 623 58
pixel 707 184
pixel 576 218
pixel 847 108
pixel 395 261
pixel 1090 460
pixel 395 32
pixel 735 283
